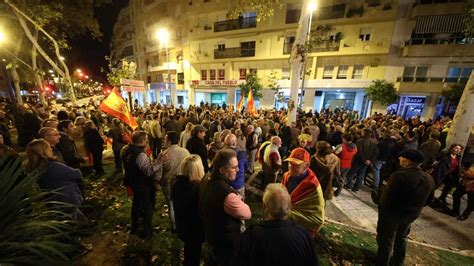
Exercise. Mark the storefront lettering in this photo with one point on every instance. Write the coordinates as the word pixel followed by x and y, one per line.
pixel 214 82
pixel 419 100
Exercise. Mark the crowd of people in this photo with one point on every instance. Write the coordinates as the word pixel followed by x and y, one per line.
pixel 201 158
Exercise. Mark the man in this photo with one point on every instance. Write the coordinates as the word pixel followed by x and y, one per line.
pixel 66 145
pixel 306 194
pixel 221 208
pixel 276 241
pixel 285 136
pixel 251 146
pixel 170 168
pixel 407 192
pixel 139 172
pixel 430 148
pixel 367 151
pixel 173 125
pixel 196 145
pixel 271 161
pixel 154 129
pixel 51 135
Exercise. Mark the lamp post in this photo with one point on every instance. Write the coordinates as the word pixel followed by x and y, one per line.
pixel 163 37
pixel 311 8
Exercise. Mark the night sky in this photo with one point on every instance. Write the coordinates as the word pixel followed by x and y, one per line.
pixel 88 53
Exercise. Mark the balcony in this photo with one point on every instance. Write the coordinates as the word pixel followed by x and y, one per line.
pixel 328 46
pixel 234 52
pixel 437 47
pixel 235 24
pixel 437 7
pixel 421 84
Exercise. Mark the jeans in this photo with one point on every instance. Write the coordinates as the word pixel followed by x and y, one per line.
pixel 392 234
pixel 357 170
pixel 376 166
pixel 457 195
pixel 156 147
pixel 251 154
pixel 118 160
pixel 143 204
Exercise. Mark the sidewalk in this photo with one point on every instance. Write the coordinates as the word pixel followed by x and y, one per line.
pixel 431 227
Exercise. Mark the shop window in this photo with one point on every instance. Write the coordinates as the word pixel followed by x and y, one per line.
pixel 358 71
pixel 242 73
pixel 458 74
pixel 285 73
pixel 180 99
pixel 221 74
pixel 328 70
pixel 365 34
pixel 253 71
pixel 212 74
pixel 342 71
pixel 204 74
pixel 180 78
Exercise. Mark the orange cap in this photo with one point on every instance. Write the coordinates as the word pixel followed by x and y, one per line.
pixel 298 156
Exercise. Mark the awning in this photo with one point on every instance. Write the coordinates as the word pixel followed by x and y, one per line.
pixel 450 23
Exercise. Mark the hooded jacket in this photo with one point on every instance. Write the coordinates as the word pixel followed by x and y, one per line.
pixel 326 167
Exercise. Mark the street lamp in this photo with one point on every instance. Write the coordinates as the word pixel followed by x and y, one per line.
pixel 2 37
pixel 163 37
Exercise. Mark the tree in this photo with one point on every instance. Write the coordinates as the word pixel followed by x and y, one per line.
pixel 252 82
pixel 382 92
pixel 263 8
pixel 463 121
pixel 274 86
pixel 454 93
pixel 125 70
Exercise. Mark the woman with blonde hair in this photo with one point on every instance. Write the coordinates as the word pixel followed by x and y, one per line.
pixel 185 135
pixel 184 197
pixel 305 141
pixel 55 176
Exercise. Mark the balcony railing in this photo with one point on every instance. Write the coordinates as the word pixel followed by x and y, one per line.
pixel 429 2
pixel 433 79
pixel 235 24
pixel 440 41
pixel 234 52
pixel 329 47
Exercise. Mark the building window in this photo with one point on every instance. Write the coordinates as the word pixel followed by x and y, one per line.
pixel 358 71
pixel 148 79
pixel 253 71
pixel 181 78
pixel 285 73
pixel 160 78
pixel 212 74
pixel 242 73
pixel 458 74
pixel 365 34
pixel 289 40
pixel 221 47
pixel 415 73
pixel 203 74
pixel 342 71
pixel 221 74
pixel 328 70
pixel 293 13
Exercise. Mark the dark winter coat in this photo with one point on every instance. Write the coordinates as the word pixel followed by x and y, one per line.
pixel 441 170
pixel 196 145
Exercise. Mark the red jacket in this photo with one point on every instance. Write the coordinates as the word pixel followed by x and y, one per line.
pixel 346 155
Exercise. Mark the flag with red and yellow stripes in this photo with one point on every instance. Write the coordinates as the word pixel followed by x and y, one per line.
pixel 116 106
pixel 240 105
pixel 251 104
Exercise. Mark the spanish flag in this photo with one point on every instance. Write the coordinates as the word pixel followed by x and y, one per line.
pixel 116 106
pixel 240 105
pixel 251 104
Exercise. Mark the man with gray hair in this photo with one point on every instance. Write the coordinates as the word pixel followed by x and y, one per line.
pixel 276 241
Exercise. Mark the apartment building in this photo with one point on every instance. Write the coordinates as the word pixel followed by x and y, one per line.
pixel 352 42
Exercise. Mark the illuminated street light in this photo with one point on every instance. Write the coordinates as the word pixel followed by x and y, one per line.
pixel 163 36
pixel 2 37
pixel 78 70
pixel 51 71
pixel 312 6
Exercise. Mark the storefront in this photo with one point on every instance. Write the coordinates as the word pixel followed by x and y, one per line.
pixel 341 98
pixel 159 93
pixel 410 106
pixel 216 92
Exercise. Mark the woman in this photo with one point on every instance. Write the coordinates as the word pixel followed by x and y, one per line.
pixel 117 134
pixel 56 176
pixel 448 170
pixel 185 195
pixel 95 145
pixel 326 164
pixel 185 135
pixel 464 187
pixel 304 141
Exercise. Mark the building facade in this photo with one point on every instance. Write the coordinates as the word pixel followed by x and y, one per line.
pixel 351 43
